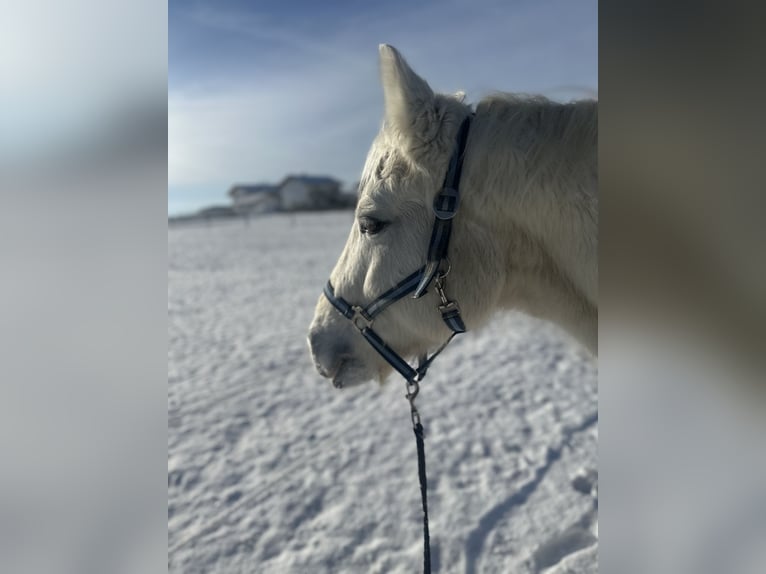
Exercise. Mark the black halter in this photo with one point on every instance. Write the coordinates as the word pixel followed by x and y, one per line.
pixel 437 267
pixel 435 271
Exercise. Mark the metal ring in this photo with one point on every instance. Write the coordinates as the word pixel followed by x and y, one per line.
pixel 358 315
pixel 443 274
pixel 413 388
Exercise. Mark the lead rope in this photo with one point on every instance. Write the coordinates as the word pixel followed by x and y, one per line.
pixel 445 206
pixel 413 388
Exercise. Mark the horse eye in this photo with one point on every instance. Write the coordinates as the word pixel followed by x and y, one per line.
pixel 370 225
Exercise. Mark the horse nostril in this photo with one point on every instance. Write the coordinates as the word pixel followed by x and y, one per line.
pixel 326 355
pixel 322 371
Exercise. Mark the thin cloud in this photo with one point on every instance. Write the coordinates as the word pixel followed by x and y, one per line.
pixel 313 102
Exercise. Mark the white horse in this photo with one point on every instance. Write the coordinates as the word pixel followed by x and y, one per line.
pixel 525 236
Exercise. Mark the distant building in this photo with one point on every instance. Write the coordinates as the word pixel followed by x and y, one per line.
pixel 207 214
pixel 309 192
pixel 250 199
pixel 216 211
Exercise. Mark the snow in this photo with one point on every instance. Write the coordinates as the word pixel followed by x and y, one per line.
pixel 271 469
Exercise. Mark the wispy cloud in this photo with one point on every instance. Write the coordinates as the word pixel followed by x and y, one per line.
pixel 297 96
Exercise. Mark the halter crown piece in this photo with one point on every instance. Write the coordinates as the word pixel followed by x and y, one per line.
pixel 435 270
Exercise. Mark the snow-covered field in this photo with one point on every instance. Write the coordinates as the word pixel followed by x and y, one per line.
pixel 272 470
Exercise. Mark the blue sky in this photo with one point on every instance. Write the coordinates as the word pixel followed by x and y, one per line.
pixel 257 90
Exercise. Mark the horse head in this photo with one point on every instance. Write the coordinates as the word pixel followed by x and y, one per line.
pixel 404 170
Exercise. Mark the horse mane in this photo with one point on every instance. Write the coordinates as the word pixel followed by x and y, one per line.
pixel 537 124
pixel 559 120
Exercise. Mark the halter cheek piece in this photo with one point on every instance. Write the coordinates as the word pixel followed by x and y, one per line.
pixel 435 271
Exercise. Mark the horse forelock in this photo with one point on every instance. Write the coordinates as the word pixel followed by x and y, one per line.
pixel 387 171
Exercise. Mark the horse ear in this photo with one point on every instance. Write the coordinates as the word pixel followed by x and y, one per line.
pixel 408 98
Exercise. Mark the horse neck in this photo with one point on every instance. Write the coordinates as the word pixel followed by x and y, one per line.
pixel 531 177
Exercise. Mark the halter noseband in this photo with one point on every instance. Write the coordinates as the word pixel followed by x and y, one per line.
pixel 437 267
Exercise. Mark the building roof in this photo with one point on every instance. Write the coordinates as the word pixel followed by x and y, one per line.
pixel 250 189
pixel 312 180
pixel 216 210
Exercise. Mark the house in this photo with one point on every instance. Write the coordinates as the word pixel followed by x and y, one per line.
pixel 259 198
pixel 207 214
pixel 216 212
pixel 309 192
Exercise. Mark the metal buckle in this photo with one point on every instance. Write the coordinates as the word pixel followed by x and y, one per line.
pixel 446 203
pixel 360 316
